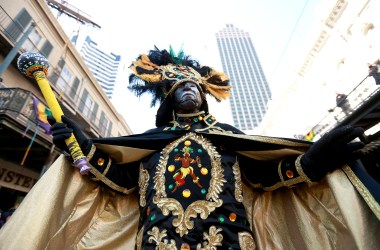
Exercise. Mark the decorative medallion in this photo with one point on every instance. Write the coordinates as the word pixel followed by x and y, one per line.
pixel 246 241
pixel 238 183
pixel 201 188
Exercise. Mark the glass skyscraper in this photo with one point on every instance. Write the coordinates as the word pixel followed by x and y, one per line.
pixel 250 92
pixel 104 66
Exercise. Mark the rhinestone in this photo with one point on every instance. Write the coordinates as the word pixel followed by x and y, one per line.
pixel 186 193
pixel 171 168
pixel 232 217
pixel 289 174
pixel 204 171
pixel 185 246
pixel 100 162
pixel 221 219
pixel 153 217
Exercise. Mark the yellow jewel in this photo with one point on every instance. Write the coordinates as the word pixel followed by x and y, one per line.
pixel 187 143
pixel 186 193
pixel 171 168
pixel 204 171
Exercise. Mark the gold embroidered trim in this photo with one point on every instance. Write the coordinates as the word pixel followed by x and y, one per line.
pixel 139 237
pixel 91 153
pixel 363 191
pixel 238 182
pixel 190 115
pixel 212 239
pixel 204 207
pixel 258 138
pixel 143 184
pixel 280 173
pixel 300 170
pixel 158 237
pixel 108 167
pixel 246 241
pixel 288 183
pixel 100 177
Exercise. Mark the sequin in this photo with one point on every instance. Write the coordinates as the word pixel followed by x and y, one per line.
pixel 232 217
pixel 171 168
pixel 289 174
pixel 221 219
pixel 187 143
pixel 185 246
pixel 200 118
pixel 186 193
pixel 203 191
pixel 195 120
pixel 204 171
pixel 176 150
pixel 100 162
pixel 152 217
pixel 171 186
pixel 200 150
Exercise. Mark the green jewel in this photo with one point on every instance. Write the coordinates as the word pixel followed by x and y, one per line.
pixel 172 128
pixel 153 217
pixel 195 119
pixel 203 191
pixel 171 186
pixel 221 219
pixel 199 150
pixel 176 150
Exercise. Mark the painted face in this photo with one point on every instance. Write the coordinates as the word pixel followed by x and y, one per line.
pixel 187 98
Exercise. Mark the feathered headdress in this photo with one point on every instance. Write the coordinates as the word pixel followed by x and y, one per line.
pixel 161 72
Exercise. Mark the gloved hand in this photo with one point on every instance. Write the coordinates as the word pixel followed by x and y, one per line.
pixel 331 151
pixel 62 131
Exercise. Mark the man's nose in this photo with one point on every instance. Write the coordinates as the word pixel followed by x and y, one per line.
pixel 188 85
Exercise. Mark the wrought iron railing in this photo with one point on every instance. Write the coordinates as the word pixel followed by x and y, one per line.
pixel 358 96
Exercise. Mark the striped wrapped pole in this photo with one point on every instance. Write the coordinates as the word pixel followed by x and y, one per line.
pixel 35 65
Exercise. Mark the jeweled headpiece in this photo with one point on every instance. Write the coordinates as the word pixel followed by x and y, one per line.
pixel 161 72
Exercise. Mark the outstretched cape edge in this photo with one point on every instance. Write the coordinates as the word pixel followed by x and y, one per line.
pixel 64 210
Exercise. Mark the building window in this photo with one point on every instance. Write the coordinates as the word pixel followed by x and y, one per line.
pixel 103 122
pixel 86 103
pixel 109 129
pixel 94 112
pixel 46 49
pixel 74 88
pixel 64 79
pixel 32 42
pixel 21 21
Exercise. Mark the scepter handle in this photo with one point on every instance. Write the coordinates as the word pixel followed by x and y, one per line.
pixel 35 65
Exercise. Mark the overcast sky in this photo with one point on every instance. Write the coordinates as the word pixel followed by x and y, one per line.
pixel 278 30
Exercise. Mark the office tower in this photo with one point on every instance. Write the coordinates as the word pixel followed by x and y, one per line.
pixel 103 65
pixel 250 92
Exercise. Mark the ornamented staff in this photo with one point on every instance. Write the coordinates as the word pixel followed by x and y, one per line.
pixel 35 65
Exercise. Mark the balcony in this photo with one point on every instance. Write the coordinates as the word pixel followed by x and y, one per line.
pixel 18 126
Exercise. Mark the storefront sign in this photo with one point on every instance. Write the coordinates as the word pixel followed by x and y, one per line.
pixel 18 178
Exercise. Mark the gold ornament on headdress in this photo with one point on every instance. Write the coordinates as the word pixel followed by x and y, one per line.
pixel 213 83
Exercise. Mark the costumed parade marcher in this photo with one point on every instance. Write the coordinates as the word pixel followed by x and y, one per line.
pixel 195 183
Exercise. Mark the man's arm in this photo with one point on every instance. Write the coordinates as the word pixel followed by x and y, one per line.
pixel 332 151
pixel 121 178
